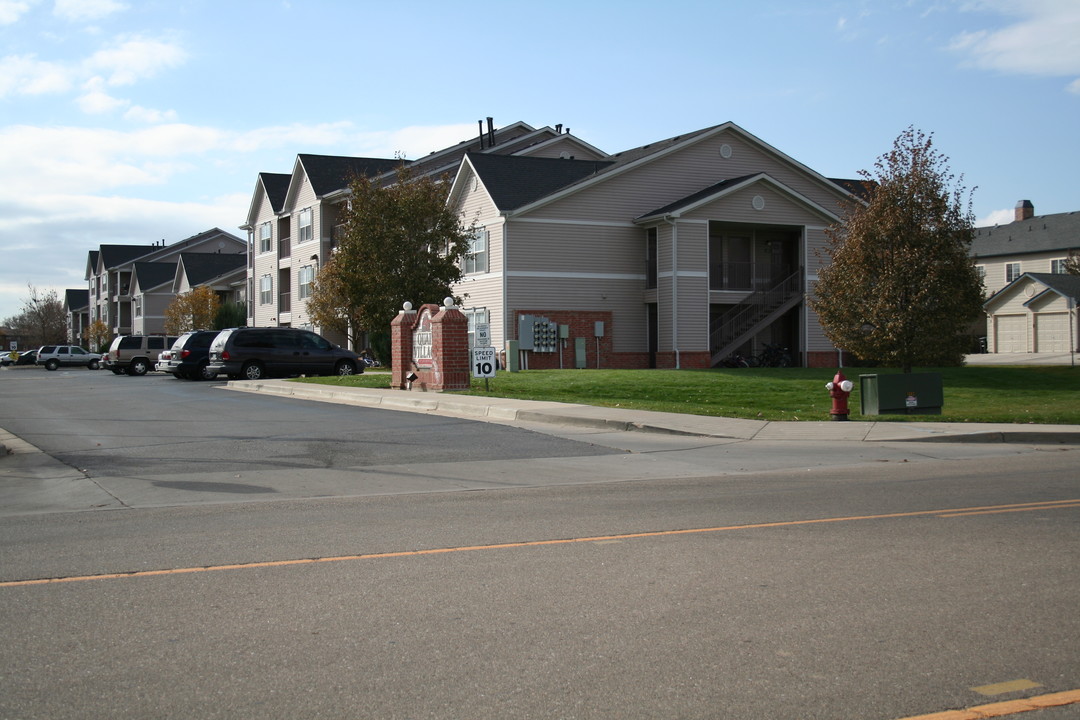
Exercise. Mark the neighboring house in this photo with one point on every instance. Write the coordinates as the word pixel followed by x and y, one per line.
pixel 109 274
pixel 151 293
pixel 1031 244
pixel 674 254
pixel 1036 313
pixel 292 218
pixel 77 311
pixel 226 275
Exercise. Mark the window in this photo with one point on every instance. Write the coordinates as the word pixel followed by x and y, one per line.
pixel 477 259
pixel 651 259
pixel 264 237
pixel 266 290
pixel 1012 271
pixel 476 316
pixel 304 230
pixel 304 278
pixel 1058 267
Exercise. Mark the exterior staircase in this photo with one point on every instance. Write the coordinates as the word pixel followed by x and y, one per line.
pixel 756 312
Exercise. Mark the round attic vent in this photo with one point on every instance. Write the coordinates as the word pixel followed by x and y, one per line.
pixel 1030 291
pixel 725 151
pixel 758 202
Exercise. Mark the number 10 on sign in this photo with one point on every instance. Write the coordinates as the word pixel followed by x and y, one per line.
pixel 483 362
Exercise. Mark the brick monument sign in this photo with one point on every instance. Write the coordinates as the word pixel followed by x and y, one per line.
pixel 430 344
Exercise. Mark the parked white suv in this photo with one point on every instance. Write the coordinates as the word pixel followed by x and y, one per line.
pixel 135 354
pixel 53 356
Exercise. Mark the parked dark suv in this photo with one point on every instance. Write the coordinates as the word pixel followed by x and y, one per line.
pixel 253 353
pixel 191 356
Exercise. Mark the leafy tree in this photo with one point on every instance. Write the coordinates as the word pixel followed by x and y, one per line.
pixel 194 310
pixel 230 314
pixel 97 336
pixel 901 288
pixel 42 320
pixel 1072 263
pixel 399 242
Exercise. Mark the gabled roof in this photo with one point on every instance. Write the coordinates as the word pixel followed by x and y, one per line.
pixel 76 299
pixel 514 180
pixel 149 275
pixel 113 256
pixel 91 264
pixel 201 268
pixel 725 187
pixel 328 173
pixel 1067 286
pixel 628 160
pixel 1042 233
pixel 276 186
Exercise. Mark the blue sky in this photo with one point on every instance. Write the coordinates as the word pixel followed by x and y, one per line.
pixel 133 121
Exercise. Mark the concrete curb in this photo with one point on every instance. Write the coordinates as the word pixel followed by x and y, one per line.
pixel 623 420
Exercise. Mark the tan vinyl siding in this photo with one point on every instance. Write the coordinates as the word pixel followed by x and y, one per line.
pixel 679 174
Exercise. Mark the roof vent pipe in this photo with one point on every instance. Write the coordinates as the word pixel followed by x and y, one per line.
pixel 491 132
pixel 481 124
pixel 558 129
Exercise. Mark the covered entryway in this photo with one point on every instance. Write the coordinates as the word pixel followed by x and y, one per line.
pixel 1010 333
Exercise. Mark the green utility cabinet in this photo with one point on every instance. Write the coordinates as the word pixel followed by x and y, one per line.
pixel 901 394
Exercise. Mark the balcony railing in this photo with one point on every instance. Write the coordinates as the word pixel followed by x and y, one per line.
pixel 747 276
pixel 284 302
pixel 284 248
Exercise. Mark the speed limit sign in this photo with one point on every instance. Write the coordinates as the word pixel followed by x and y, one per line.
pixel 483 362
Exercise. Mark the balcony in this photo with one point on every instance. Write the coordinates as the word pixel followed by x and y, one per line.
pixel 746 276
pixel 284 302
pixel 284 248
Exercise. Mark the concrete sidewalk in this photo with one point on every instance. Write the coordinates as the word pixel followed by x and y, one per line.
pixel 620 419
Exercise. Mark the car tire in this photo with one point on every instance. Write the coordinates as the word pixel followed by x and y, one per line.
pixel 93 365
pixel 179 376
pixel 117 371
pixel 138 366
pixel 204 372
pixel 52 364
pixel 253 371
pixel 345 367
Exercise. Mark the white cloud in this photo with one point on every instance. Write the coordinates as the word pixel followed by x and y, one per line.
pixel 26 75
pixel 137 113
pixel 134 59
pixel 12 10
pixel 96 101
pixel 996 217
pixel 1044 40
pixel 81 10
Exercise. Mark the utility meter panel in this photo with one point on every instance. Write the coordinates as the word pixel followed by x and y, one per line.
pixel 538 334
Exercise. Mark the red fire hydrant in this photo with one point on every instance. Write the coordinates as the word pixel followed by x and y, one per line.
pixel 839 389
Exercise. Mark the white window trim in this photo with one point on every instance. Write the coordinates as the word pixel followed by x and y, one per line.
pixel 300 226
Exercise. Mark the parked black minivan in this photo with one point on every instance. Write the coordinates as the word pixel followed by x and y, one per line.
pixel 253 353
pixel 191 356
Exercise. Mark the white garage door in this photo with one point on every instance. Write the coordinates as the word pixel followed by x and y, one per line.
pixel 1052 332
pixel 1010 333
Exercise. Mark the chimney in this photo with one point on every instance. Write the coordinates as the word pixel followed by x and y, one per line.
pixel 491 132
pixel 1024 210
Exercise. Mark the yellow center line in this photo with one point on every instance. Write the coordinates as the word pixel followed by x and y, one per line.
pixel 1005 708
pixel 953 512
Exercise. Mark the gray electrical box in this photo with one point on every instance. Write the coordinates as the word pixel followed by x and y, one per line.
pixel 564 332
pixel 537 333
pixel 579 353
pixel 598 329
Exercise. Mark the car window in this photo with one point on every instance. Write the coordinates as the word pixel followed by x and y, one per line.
pixel 155 343
pixel 46 349
pixel 62 350
pixel 285 339
pixel 77 351
pixel 203 340
pixel 314 342
pixel 131 342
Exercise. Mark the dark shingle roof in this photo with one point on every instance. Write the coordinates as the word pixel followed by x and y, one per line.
pixel 328 173
pixel 152 274
pixel 276 186
pixel 699 195
pixel 515 181
pixel 1042 233
pixel 201 267
pixel 1066 285
pixel 859 188
pixel 76 299
pixel 116 255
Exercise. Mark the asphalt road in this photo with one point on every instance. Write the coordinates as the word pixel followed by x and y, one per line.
pixel 453 569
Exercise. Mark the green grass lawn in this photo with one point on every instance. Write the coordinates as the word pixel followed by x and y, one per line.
pixel 1014 394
